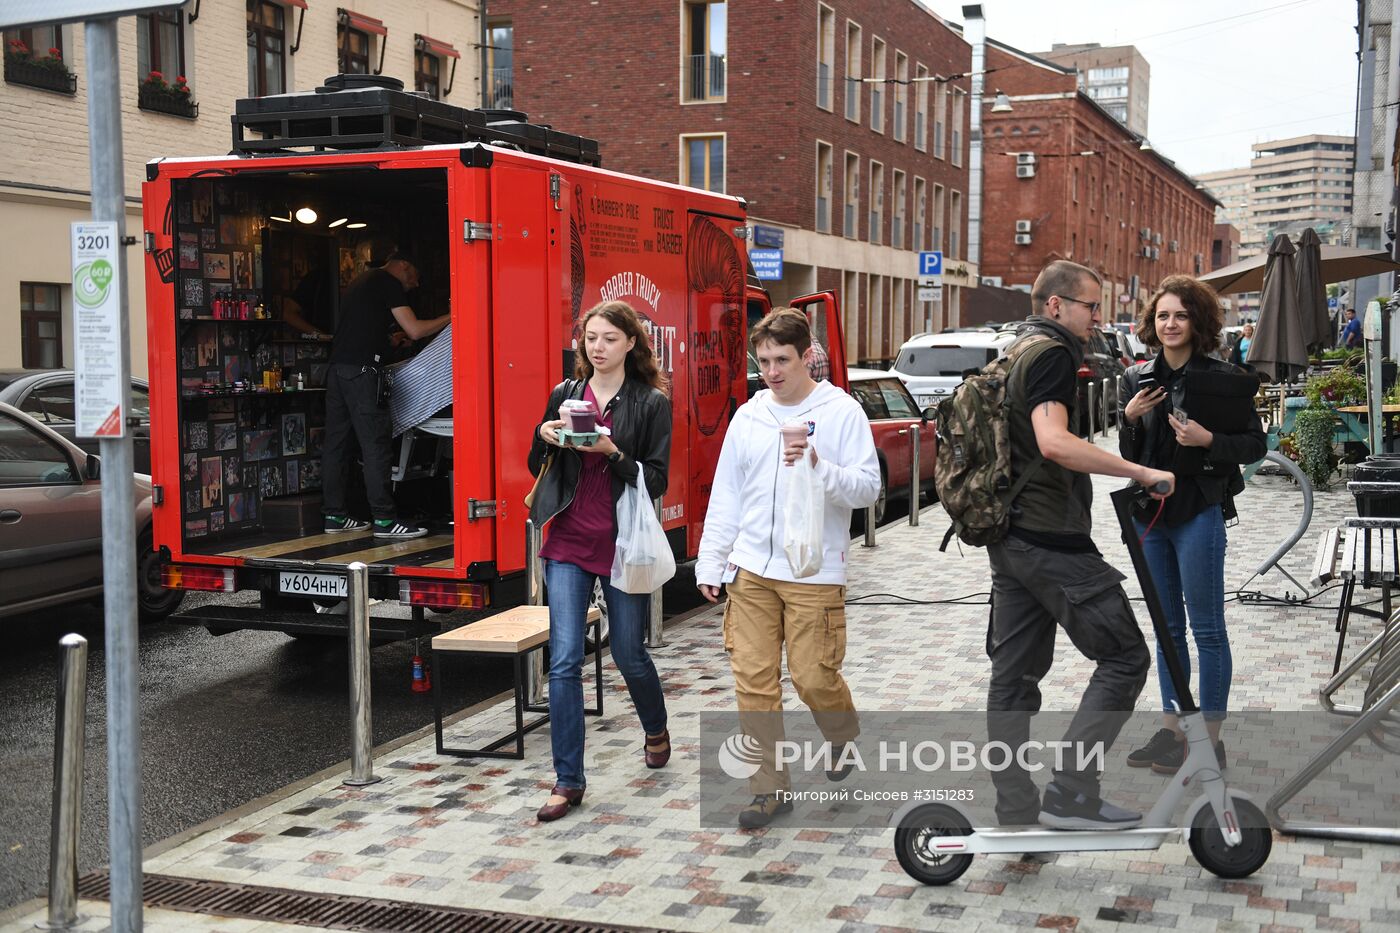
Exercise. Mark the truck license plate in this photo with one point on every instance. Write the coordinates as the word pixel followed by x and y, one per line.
pixel 314 584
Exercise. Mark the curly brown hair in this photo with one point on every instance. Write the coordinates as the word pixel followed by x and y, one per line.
pixel 641 361
pixel 1201 303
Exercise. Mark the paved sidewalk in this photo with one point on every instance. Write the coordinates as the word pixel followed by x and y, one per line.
pixel 462 833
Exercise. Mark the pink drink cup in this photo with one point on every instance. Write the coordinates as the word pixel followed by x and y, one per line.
pixel 792 433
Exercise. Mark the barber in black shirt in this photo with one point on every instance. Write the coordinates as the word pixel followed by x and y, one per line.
pixel 370 307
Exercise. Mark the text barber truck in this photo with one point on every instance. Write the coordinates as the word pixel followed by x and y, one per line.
pixel 516 231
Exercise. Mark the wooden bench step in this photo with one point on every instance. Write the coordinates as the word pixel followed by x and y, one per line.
pixel 511 632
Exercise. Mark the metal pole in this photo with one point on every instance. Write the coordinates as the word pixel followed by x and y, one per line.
pixel 70 729
pixel 870 525
pixel 361 719
pixel 656 635
pixel 534 596
pixel 118 505
pixel 1374 393
pixel 1093 408
pixel 915 484
pixel 1104 401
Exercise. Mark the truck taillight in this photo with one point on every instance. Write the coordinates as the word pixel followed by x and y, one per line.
pixel 184 577
pixel 443 595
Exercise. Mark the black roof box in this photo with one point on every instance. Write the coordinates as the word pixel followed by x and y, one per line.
pixel 353 112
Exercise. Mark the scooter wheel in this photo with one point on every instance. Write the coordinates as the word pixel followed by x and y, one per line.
pixel 1226 861
pixel 915 843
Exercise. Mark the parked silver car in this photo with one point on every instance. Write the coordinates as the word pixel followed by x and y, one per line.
pixel 46 395
pixel 51 524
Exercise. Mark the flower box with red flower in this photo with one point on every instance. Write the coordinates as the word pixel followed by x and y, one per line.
pixel 48 73
pixel 157 95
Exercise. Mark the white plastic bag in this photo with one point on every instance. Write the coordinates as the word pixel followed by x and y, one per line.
pixel 803 516
pixel 642 560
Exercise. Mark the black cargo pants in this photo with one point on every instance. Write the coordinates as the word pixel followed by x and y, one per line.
pixel 353 412
pixel 1033 589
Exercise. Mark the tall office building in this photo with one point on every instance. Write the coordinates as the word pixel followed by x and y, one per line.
pixel 1115 77
pixel 1290 184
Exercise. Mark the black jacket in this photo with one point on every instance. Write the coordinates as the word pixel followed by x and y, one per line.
pixel 641 429
pixel 1221 478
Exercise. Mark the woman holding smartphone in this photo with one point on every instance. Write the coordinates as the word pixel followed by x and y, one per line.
pixel 1185 537
pixel 576 499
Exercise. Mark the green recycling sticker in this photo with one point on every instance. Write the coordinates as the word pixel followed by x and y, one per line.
pixel 91 283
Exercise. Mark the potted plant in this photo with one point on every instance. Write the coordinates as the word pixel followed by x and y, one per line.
pixel 1335 388
pixel 161 96
pixel 48 72
pixel 1311 446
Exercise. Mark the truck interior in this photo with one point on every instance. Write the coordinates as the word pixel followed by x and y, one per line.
pixel 260 262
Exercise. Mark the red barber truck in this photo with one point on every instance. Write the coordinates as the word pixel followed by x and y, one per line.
pixel 517 231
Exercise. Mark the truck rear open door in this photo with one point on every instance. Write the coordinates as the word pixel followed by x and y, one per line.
pixel 824 314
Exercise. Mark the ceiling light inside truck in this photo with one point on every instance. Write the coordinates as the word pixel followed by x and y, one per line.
pixel 336 223
pixel 356 226
pixel 305 215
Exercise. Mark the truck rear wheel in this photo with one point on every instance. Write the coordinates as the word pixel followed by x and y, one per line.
pixel 154 602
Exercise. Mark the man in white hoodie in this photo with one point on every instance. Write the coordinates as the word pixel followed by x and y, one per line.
pixel 742 546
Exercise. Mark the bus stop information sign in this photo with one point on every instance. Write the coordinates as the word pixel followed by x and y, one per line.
pixel 16 13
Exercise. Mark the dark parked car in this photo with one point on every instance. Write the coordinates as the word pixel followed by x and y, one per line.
pixel 46 395
pixel 891 410
pixel 1101 363
pixel 51 524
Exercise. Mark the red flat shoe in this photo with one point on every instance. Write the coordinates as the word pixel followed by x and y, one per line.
pixel 657 759
pixel 573 796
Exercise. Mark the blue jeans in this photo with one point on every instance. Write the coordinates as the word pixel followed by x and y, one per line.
pixel 570 591
pixel 1188 569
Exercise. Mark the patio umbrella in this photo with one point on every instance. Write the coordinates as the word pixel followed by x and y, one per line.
pixel 1279 349
pixel 1337 264
pixel 1312 293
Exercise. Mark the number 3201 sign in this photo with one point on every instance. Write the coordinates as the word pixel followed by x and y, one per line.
pixel 100 396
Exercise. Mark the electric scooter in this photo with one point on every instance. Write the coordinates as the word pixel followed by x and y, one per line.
pixel 1228 835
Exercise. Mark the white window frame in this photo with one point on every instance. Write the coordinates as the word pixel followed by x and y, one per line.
pixel 955 244
pixel 827 182
pixel 921 108
pixel 899 193
pixel 901 96
pixel 686 99
pixel 853 73
pixel 940 120
pixel 876 232
pixel 920 213
pixel 826 55
pixel 850 195
pixel 877 87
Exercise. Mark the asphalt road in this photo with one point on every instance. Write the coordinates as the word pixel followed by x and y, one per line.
pixel 223 721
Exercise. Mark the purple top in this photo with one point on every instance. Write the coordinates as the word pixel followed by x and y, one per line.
pixel 585 533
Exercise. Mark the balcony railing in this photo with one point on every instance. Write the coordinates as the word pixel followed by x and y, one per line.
pixel 501 92
pixel 704 77
pixel 45 77
pixel 178 105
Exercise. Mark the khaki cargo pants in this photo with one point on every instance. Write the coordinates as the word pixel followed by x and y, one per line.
pixel 810 618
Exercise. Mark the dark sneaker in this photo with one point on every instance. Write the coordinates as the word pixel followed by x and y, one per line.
pixel 1163 743
pixel 389 528
pixel 764 809
pixel 1171 762
pixel 338 524
pixel 837 771
pixel 1063 809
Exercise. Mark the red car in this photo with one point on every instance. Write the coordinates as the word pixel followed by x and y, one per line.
pixel 892 410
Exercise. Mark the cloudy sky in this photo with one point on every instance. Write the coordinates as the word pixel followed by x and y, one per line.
pixel 1225 75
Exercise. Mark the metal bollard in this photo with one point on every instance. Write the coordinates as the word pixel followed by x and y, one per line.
pixel 1091 408
pixel 870 525
pixel 1104 401
pixel 914 482
pixel 656 636
pixel 361 724
pixel 534 596
pixel 70 727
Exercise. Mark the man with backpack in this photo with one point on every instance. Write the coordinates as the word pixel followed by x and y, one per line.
pixel 1035 521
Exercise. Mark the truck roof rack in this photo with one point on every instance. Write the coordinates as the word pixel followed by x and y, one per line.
pixel 359 112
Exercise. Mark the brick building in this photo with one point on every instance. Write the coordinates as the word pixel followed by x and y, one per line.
pixel 44 174
pixel 772 101
pixel 1064 180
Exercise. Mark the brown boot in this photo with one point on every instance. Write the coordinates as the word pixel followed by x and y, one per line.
pixel 573 796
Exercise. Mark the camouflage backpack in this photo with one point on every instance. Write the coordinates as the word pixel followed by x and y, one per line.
pixel 973 467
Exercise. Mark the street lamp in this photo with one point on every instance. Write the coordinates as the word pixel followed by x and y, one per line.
pixel 1002 104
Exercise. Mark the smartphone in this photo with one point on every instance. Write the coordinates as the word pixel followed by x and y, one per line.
pixel 1148 382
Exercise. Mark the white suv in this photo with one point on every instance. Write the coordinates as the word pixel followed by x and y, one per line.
pixel 933 365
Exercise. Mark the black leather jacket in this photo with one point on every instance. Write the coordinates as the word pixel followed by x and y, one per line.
pixel 1221 475
pixel 641 429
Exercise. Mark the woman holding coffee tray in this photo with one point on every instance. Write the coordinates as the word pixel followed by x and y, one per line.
pixel 618 387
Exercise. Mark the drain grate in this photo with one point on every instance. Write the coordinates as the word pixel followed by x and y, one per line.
pixel 329 911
